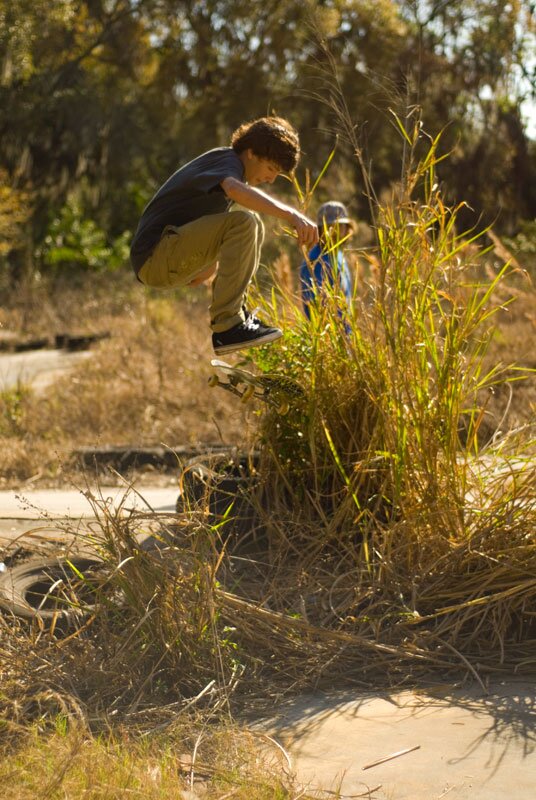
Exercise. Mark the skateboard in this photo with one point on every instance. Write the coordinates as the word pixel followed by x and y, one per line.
pixel 275 390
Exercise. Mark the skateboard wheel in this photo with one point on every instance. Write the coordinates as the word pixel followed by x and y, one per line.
pixel 213 380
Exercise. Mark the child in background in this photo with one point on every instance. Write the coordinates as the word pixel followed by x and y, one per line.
pixel 326 261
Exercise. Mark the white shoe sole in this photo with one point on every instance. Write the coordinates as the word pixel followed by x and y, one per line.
pixel 230 348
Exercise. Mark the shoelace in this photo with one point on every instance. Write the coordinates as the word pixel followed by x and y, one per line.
pixel 251 323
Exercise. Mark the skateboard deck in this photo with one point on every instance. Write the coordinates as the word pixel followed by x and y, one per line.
pixel 274 389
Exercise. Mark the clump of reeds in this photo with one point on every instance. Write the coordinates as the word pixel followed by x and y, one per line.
pixel 378 522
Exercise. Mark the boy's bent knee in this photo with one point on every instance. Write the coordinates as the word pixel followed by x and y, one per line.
pixel 242 215
pixel 248 220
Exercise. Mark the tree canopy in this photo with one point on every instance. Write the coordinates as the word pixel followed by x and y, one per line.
pixel 102 99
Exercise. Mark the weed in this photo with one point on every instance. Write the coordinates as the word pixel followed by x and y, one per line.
pixel 13 405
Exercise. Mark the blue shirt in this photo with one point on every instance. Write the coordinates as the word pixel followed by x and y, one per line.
pixel 331 267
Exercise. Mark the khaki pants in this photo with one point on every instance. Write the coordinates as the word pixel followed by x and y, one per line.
pixel 233 238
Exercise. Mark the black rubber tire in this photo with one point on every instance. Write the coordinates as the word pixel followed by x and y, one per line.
pixel 24 587
pixel 221 481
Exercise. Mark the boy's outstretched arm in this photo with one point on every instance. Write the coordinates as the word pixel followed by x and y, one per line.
pixel 258 201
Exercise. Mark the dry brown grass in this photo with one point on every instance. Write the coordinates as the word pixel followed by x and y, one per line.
pixel 145 385
pixel 86 713
pixel 69 764
pixel 513 343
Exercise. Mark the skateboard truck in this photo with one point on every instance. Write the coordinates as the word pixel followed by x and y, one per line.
pixel 273 389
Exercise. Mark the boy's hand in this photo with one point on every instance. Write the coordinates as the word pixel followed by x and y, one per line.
pixel 252 198
pixel 306 229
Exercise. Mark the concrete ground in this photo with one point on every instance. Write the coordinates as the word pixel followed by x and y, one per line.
pixel 461 744
pixel 37 368
pixel 33 519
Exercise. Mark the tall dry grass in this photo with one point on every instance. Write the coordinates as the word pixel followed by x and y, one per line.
pixel 145 385
pixel 395 521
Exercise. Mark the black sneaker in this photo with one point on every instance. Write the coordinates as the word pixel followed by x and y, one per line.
pixel 250 333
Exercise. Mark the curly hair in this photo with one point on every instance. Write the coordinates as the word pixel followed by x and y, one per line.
pixel 272 138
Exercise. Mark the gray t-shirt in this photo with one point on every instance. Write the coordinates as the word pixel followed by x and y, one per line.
pixel 192 191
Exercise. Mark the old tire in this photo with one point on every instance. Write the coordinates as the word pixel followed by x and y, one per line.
pixel 226 485
pixel 49 590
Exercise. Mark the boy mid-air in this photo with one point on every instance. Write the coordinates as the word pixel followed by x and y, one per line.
pixel 204 220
